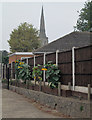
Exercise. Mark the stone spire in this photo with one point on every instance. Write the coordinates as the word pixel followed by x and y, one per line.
pixel 42 35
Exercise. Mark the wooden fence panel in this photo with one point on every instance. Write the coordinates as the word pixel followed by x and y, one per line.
pixel 83 80
pixel 83 63
pixel 83 67
pixel 31 61
pixel 39 60
pixel 65 57
pixel 65 68
pixel 65 65
pixel 65 78
pixel 51 57
pixel 84 53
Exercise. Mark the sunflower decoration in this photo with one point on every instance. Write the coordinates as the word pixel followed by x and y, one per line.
pixel 44 69
pixel 21 63
pixel 20 67
pixel 16 61
pixel 40 78
pixel 37 73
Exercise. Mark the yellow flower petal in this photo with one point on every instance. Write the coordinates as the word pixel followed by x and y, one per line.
pixel 21 63
pixel 19 67
pixel 44 69
pixel 34 77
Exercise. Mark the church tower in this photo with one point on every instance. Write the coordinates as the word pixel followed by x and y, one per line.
pixel 42 35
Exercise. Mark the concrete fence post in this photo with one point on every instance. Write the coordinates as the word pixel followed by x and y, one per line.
pixel 57 51
pixel 40 85
pixel 34 60
pixel 73 67
pixel 59 89
pixel 27 61
pixel 69 85
pixel 89 91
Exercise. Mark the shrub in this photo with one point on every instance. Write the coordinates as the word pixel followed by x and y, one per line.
pixel 52 74
pixel 37 73
pixel 22 71
pixel 4 80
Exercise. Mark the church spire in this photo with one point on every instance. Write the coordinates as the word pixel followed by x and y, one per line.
pixel 42 35
pixel 42 23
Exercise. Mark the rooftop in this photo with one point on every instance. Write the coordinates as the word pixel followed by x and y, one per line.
pixel 21 53
pixel 74 39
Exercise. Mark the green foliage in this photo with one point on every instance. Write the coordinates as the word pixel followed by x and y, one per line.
pixel 52 74
pixel 5 58
pixel 16 68
pixel 22 71
pixel 4 80
pixel 37 73
pixel 24 38
pixel 84 23
pixel 81 108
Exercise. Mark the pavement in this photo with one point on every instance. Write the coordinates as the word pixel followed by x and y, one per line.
pixel 17 106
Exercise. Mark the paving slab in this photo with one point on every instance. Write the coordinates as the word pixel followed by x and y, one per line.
pixel 16 106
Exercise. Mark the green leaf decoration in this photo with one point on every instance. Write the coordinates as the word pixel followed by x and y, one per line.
pixel 56 78
pixel 52 74
pixel 56 72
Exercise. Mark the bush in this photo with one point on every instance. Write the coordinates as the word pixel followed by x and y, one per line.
pixel 52 74
pixel 22 71
pixel 37 73
pixel 4 80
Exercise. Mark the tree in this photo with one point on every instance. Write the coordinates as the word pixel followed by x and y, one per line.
pixel 84 23
pixel 5 58
pixel 24 38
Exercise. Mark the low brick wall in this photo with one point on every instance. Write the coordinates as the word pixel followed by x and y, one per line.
pixel 68 106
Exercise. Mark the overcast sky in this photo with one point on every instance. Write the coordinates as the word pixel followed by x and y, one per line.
pixel 60 17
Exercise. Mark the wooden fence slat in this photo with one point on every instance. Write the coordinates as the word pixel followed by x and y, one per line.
pixel 83 62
